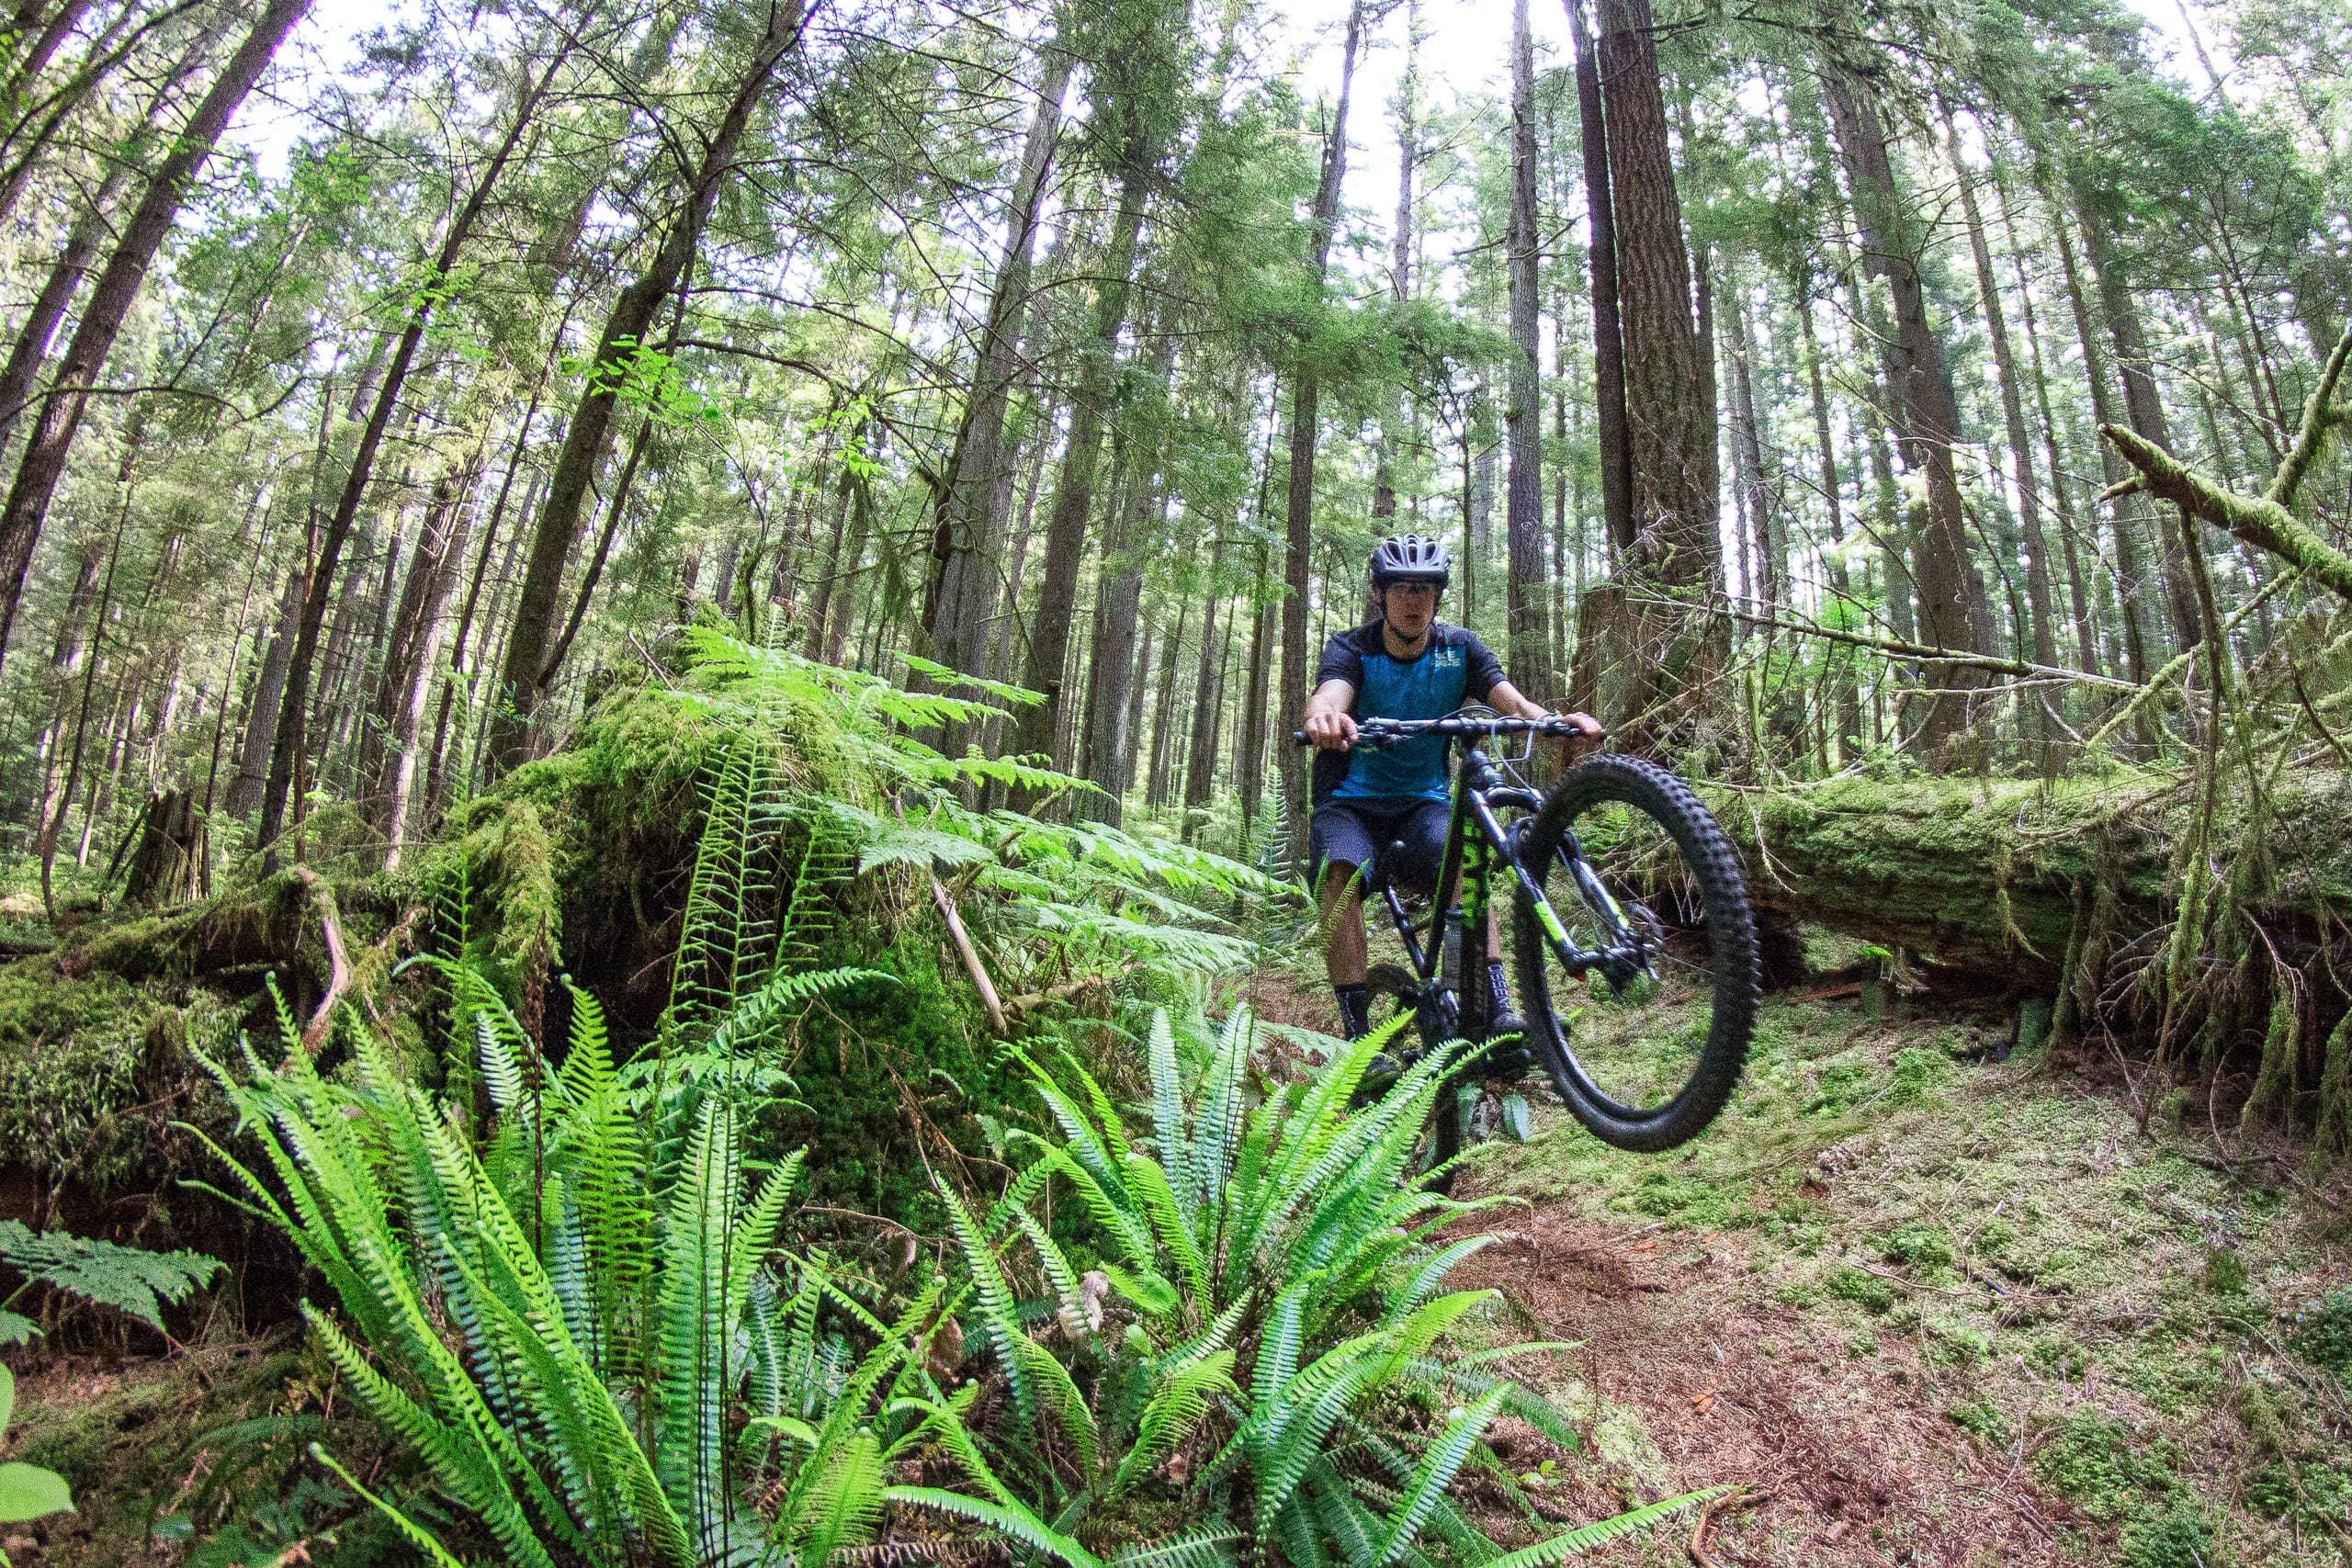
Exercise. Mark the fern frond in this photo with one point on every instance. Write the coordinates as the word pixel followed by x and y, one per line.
pixel 1008 1519
pixel 1438 1468
pixel 1602 1531
pixel 133 1282
pixel 1203 1548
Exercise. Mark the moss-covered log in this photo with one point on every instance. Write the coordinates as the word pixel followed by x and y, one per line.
pixel 1984 875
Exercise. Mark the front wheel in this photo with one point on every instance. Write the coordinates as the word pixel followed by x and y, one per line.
pixel 1632 865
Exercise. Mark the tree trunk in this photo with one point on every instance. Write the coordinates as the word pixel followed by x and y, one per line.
pixel 1670 419
pixel 261 707
pixel 524 679
pixel 2131 590
pixel 2004 366
pixel 1850 713
pixel 1200 752
pixel 44 463
pixel 411 653
pixel 1948 616
pixel 1159 788
pixel 1305 417
pixel 1074 493
pixel 964 579
pixel 2143 406
pixel 1607 330
pixel 1771 582
pixel 1400 257
pixel 293 740
pixel 1527 603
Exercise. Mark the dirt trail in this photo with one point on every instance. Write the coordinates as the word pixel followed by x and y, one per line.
pixel 1927 1308
pixel 1701 1380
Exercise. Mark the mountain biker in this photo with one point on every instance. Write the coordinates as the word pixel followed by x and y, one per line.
pixel 1405 663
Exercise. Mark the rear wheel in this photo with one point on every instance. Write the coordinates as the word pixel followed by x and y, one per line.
pixel 1661 890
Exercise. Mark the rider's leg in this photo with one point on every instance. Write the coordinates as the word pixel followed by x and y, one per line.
pixel 1344 954
pixel 1512 1060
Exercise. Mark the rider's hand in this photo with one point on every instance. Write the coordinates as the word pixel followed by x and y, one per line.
pixel 1588 735
pixel 1328 729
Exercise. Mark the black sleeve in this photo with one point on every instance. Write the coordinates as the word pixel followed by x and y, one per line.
pixel 1482 671
pixel 1342 662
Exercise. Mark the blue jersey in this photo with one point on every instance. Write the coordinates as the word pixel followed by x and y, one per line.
pixel 1453 668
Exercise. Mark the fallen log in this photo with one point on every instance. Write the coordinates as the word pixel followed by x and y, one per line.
pixel 1989 875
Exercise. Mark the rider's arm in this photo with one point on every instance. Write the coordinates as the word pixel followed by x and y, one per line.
pixel 1506 698
pixel 1326 723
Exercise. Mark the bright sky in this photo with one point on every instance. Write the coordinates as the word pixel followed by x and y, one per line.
pixel 1465 54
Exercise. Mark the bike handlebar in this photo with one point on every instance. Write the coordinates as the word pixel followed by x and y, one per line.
pixel 1379 732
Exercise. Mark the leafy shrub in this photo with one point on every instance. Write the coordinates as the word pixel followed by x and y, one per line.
pixel 2180 1537
pixel 2321 1331
pixel 27 1491
pixel 1860 1287
pixel 1982 1420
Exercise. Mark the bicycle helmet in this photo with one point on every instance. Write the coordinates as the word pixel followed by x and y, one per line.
pixel 1411 557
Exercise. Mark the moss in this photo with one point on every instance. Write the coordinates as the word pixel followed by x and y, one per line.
pixel 2321 1331
pixel 1859 1286
pixel 92 1072
pixel 2093 1461
pixel 2178 1537
pixel 1982 1421
pixel 2224 1274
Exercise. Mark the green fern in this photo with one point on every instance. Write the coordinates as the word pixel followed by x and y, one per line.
pixel 136 1283
pixel 1279 1238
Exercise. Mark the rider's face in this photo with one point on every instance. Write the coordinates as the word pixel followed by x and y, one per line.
pixel 1409 607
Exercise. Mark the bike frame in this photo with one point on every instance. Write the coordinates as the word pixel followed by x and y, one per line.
pixel 1477 848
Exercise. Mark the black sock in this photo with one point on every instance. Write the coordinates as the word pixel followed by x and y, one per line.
pixel 1498 989
pixel 1355 1011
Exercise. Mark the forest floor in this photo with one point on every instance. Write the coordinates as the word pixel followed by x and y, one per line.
pixel 1919 1306
pixel 1922 1307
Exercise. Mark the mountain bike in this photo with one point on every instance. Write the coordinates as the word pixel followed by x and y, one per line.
pixel 1621 885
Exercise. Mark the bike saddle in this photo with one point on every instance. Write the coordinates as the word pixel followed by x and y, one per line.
pixel 1378 876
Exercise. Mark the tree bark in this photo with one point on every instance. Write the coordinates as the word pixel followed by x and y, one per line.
pixel 964 577
pixel 1081 454
pixel 1670 418
pixel 1526 600
pixel 1948 616
pixel 44 463
pixel 1305 418
pixel 524 679
pixel 1608 329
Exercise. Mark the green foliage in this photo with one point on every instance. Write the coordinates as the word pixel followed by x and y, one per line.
pixel 608 1308
pixel 27 1491
pixel 2321 1331
pixel 2179 1537
pixel 2097 1464
pixel 1981 1420
pixel 133 1282
pixel 1859 1286
pixel 1266 1338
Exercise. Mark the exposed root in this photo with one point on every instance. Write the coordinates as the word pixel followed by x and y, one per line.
pixel 314 1035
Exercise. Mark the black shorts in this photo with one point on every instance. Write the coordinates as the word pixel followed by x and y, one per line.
pixel 1358 832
